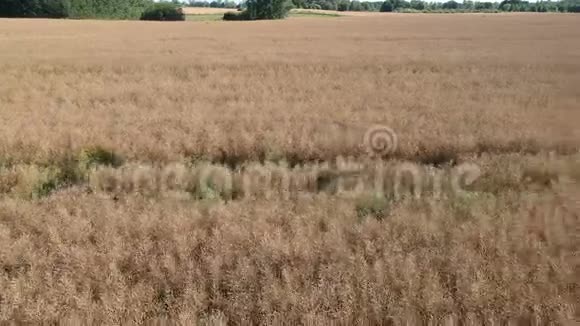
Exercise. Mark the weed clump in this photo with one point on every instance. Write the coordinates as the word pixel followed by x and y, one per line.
pixel 98 156
pixel 35 182
pixel 211 183
pixel 372 205
pixel 8 179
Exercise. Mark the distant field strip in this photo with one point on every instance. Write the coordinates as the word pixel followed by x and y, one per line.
pixel 209 15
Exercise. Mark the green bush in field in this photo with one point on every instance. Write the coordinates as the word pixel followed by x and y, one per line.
pixel 36 182
pixel 372 205
pixel 49 182
pixel 98 156
pixel 233 16
pixel 164 11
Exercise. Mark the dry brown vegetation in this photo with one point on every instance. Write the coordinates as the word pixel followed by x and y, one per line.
pixel 93 111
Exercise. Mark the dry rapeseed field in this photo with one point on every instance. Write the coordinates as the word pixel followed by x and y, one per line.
pixel 108 213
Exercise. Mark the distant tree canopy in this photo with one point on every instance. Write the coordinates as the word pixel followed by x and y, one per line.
pixel 213 4
pixel 34 8
pixel 261 9
pixel 267 9
pixel 404 5
pixel 109 9
pixel 450 5
pixel 387 6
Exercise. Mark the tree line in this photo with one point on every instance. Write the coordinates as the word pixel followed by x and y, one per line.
pixel 108 9
pixel 418 5
pixel 449 6
pixel 260 9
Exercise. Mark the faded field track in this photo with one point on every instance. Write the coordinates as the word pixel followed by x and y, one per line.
pixel 497 91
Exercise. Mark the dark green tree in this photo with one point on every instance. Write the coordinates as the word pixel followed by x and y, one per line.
pixel 450 5
pixel 111 9
pixel 355 6
pixel 417 4
pixel 267 9
pixel 343 5
pixel 34 8
pixel 387 6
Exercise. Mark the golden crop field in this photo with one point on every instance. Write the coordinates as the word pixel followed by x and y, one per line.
pixel 219 173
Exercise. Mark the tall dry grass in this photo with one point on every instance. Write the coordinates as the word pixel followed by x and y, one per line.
pixel 88 104
pixel 80 257
pixel 445 83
